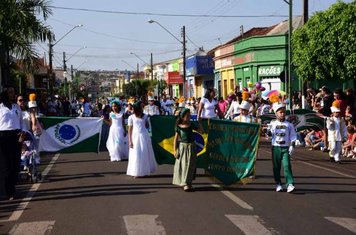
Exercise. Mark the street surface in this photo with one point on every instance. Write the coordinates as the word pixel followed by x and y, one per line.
pixel 87 194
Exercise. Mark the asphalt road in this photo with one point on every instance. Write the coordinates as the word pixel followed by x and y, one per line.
pixel 87 194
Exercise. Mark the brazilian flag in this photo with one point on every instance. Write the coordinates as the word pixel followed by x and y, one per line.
pixel 163 132
pixel 226 149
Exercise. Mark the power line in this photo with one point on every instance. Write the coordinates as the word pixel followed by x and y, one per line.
pixel 113 36
pixel 165 14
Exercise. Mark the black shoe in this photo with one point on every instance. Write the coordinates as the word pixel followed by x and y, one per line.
pixel 331 159
pixel 338 162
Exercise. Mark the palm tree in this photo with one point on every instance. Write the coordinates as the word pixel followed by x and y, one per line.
pixel 20 27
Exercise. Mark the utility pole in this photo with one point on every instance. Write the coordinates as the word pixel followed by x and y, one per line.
pixel 151 67
pixel 50 71
pixel 305 11
pixel 184 62
pixel 65 73
pixel 242 31
pixel 138 77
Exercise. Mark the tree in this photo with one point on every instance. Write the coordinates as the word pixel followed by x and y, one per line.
pixel 325 47
pixel 20 28
pixel 139 87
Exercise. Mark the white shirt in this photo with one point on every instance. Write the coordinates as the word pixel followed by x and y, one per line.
pixel 245 118
pixel 283 133
pixel 208 108
pixel 10 119
pixel 167 106
pixel 233 109
pixel 151 110
pixel 336 129
pixel 26 120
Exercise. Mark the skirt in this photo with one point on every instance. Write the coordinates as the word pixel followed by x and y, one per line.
pixel 185 165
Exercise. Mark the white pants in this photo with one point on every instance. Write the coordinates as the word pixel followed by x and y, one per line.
pixel 335 149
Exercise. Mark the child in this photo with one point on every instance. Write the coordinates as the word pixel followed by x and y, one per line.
pixel 142 160
pixel 25 156
pixel 283 140
pixel 117 140
pixel 184 151
pixel 336 133
pixel 347 147
pixel 244 116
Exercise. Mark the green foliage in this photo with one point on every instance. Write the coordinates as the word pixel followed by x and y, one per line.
pixel 325 47
pixel 139 87
pixel 20 28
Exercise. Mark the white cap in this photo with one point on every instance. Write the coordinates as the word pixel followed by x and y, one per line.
pixel 32 104
pixel 150 98
pixel 277 106
pixel 334 109
pixel 245 105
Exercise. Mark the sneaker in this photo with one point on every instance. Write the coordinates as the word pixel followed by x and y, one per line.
pixel 290 188
pixel 279 188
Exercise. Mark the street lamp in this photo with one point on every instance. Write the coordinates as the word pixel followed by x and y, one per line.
pixel 184 49
pixel 151 65
pixel 50 55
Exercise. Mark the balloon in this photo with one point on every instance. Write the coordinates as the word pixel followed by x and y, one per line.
pixel 262 88
pixel 249 84
pixel 245 89
pixel 258 85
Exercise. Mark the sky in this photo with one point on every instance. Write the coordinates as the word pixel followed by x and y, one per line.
pixel 116 34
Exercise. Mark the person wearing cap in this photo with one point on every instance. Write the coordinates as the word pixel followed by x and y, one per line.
pixel 151 109
pixel 337 133
pixel 283 139
pixel 244 113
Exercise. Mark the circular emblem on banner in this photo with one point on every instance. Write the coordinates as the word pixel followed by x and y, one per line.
pixel 67 134
pixel 199 142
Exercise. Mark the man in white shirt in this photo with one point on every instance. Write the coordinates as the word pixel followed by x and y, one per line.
pixel 151 109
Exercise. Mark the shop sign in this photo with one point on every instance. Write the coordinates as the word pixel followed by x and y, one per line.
pixel 270 70
pixel 174 78
pixel 248 57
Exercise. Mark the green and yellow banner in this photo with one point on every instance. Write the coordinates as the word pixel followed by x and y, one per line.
pixel 226 149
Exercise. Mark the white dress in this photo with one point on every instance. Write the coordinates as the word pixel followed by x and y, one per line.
pixel 142 160
pixel 117 143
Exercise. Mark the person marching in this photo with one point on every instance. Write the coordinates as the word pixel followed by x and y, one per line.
pixel 142 160
pixel 283 138
pixel 337 133
pixel 244 113
pixel 117 139
pixel 184 151
pixel 151 109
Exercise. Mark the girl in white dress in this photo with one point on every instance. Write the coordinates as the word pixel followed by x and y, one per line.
pixel 142 160
pixel 117 139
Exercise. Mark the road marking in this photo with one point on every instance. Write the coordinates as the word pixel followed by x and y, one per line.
pixel 234 198
pixel 249 224
pixel 32 228
pixel 320 167
pixel 327 169
pixel 143 224
pixel 348 223
pixel 24 202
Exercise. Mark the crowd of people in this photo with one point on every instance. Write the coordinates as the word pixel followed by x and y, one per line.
pixel 127 126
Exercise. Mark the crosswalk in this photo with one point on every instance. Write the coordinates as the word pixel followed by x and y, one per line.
pixel 152 225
